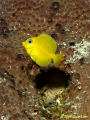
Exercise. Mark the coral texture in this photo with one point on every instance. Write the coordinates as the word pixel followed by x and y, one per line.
pixel 68 22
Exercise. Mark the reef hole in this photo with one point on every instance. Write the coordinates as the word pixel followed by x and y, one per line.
pixel 51 82
pixel 53 77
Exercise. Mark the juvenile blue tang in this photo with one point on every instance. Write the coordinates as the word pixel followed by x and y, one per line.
pixel 42 50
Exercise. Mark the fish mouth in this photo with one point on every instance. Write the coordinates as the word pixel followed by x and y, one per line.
pixel 23 44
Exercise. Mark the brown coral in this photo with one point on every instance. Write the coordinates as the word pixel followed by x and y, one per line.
pixel 68 22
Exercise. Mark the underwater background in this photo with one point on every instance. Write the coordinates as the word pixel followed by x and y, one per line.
pixel 31 92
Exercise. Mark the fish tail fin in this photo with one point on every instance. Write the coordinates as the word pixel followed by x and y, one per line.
pixel 57 59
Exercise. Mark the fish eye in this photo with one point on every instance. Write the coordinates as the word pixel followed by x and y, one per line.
pixel 30 41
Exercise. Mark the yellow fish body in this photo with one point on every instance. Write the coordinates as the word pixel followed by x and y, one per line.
pixel 42 50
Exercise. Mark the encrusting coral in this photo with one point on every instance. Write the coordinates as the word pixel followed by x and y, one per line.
pixel 68 23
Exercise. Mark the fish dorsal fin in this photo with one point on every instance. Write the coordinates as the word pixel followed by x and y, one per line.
pixel 49 42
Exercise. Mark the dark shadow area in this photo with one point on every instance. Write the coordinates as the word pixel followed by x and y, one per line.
pixel 53 77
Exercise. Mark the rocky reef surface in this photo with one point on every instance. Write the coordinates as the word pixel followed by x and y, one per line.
pixel 31 92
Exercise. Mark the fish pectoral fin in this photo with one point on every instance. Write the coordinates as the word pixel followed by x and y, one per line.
pixel 33 58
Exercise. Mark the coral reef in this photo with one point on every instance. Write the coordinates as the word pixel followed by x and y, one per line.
pixel 31 92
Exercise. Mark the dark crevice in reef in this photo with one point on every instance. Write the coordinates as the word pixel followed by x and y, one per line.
pixel 53 77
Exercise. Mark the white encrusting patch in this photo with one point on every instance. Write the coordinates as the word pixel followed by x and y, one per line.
pixel 81 50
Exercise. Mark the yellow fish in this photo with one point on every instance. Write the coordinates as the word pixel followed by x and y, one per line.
pixel 42 50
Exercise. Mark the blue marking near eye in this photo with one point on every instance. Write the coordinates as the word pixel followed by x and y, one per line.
pixel 30 41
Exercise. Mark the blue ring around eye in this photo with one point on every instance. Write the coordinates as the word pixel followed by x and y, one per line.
pixel 30 41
